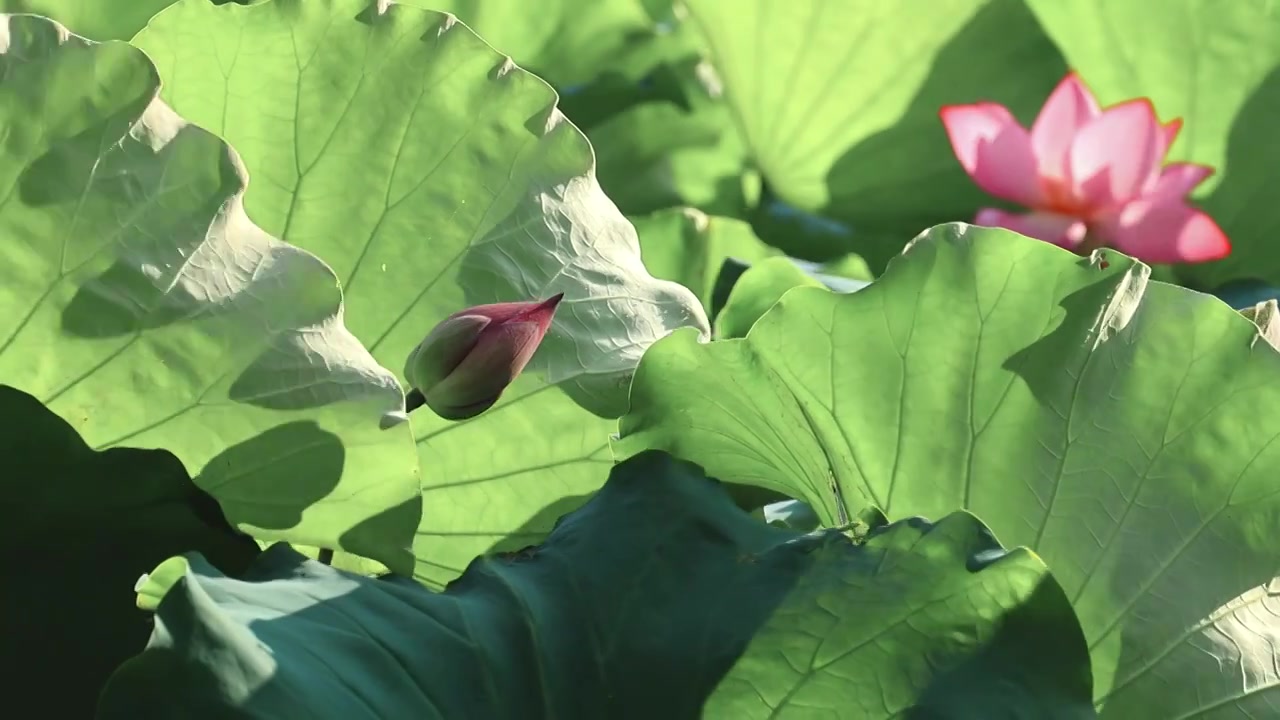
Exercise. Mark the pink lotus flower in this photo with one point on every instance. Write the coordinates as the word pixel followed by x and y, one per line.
pixel 1091 177
pixel 463 365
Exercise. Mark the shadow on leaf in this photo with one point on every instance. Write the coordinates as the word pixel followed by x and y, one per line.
pixel 1243 203
pixel 372 532
pixel 258 494
pixel 120 302
pixel 900 181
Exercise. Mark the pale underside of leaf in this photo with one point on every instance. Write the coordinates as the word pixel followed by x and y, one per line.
pixel 146 308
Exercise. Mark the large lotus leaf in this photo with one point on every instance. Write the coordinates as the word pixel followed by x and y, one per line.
pixel 1217 66
pixel 838 99
pixel 78 528
pixel 695 604
pixel 433 174
pixel 143 306
pixel 1122 428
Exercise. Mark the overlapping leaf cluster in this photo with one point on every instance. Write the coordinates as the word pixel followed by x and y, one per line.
pixel 201 348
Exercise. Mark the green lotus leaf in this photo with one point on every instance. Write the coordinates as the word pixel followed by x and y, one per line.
pixel 838 100
pixel 143 306
pixel 1122 428
pixel 432 174
pixel 697 610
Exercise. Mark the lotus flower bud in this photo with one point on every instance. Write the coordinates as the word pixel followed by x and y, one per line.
pixel 461 367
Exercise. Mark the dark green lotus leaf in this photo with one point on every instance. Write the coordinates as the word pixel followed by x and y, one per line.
pixel 657 599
